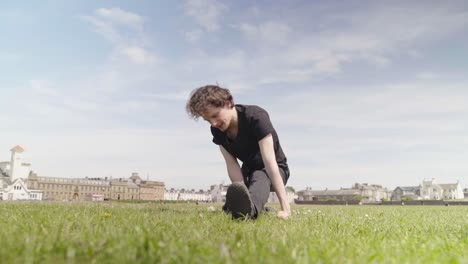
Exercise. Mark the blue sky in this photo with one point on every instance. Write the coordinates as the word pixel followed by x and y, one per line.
pixel 374 91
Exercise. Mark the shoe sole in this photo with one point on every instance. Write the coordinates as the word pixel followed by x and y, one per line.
pixel 240 203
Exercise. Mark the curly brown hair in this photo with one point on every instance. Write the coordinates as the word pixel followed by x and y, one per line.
pixel 209 95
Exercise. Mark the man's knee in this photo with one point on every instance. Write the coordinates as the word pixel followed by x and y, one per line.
pixel 260 176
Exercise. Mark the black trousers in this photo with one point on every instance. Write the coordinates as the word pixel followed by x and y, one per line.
pixel 259 184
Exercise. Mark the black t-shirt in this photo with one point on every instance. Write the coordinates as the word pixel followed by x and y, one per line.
pixel 253 125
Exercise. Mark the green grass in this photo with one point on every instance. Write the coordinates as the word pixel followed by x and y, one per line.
pixel 188 233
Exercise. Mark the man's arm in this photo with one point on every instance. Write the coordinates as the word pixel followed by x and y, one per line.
pixel 232 166
pixel 271 166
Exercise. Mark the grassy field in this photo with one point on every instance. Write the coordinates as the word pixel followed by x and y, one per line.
pixel 188 233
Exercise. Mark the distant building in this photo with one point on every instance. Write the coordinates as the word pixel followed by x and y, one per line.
pixel 171 195
pixel 218 193
pixel 363 192
pixel 187 195
pixel 290 196
pixel 27 185
pixel 18 190
pixel 73 189
pixel 149 190
pixel 372 192
pixel 449 191
pixel 409 192
pixel 430 190
pixel 328 195
pixel 192 195
pixel 16 168
pixel 14 178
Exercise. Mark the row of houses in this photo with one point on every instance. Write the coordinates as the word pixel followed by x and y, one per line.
pixel 187 195
pixel 362 192
pixel 19 182
pixel 216 194
pixel 428 190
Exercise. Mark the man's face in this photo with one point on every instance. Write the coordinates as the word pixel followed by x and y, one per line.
pixel 218 117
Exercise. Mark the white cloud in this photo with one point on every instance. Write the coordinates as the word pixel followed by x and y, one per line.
pixel 131 62
pixel 292 51
pixel 50 102
pixel 270 33
pixel 426 75
pixel 139 55
pixel 105 29
pixel 11 57
pixel 125 31
pixel 398 106
pixel 120 16
pixel 193 36
pixel 43 87
pixel 330 64
pixel 207 13
pixel 172 96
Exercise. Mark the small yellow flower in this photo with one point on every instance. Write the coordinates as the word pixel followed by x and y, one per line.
pixel 107 215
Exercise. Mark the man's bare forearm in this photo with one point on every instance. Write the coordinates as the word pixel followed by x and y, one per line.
pixel 278 185
pixel 233 168
pixel 234 172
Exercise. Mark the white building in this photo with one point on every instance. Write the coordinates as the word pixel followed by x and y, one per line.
pixel 290 196
pixel 18 190
pixel 192 195
pixel 359 191
pixel 430 190
pixel 372 192
pixel 16 168
pixel 406 192
pixel 187 195
pixel 218 193
pixel 171 195
pixel 14 177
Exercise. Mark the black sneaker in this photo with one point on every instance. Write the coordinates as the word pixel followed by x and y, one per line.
pixel 238 201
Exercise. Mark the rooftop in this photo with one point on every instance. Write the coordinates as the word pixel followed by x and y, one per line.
pixel 17 148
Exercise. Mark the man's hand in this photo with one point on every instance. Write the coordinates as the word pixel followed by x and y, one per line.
pixel 283 215
pixel 285 211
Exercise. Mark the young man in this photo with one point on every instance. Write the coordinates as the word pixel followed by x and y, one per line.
pixel 245 133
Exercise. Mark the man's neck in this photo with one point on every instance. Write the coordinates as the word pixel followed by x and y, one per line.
pixel 233 125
